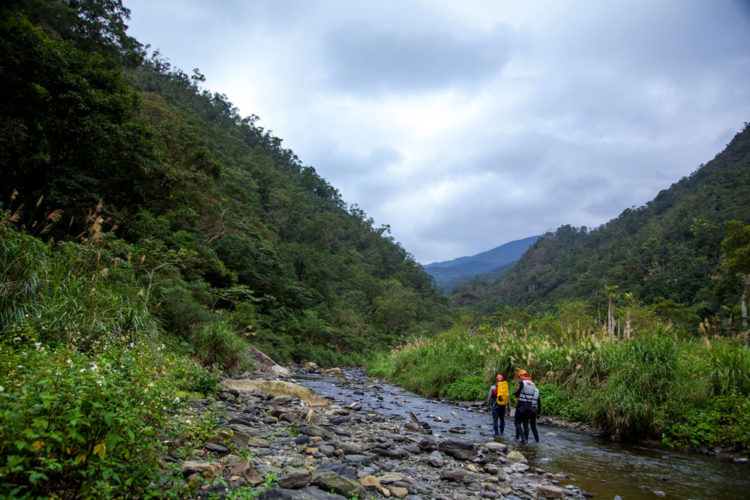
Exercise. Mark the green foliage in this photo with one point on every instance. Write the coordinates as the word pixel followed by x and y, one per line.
pixel 469 388
pixel 558 402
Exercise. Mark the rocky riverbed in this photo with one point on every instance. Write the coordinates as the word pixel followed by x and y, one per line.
pixel 284 441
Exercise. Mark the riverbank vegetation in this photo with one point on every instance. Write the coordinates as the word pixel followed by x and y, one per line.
pixel 661 383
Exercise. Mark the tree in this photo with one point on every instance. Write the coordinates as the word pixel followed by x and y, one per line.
pixel 736 258
pixel 612 296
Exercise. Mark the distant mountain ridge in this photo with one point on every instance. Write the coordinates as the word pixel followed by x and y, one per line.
pixel 451 273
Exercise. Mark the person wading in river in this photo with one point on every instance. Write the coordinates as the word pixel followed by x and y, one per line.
pixel 497 400
pixel 528 407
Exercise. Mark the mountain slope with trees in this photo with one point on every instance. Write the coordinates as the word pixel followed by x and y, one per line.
pixel 228 229
pixel 667 252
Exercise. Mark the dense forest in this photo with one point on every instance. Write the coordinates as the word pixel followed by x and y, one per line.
pixel 227 228
pixel 667 253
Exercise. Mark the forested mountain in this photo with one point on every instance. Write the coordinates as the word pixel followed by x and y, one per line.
pixel 450 273
pixel 667 252
pixel 226 228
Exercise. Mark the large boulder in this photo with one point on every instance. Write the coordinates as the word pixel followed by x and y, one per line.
pixel 276 388
pixel 266 364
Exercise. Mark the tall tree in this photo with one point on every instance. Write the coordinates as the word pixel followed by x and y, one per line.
pixel 736 249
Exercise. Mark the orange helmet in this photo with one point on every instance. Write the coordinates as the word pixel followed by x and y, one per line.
pixel 499 378
pixel 521 373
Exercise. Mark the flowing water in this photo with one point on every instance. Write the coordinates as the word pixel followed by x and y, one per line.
pixel 600 467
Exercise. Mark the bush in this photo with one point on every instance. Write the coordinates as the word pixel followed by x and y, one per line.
pixel 217 345
pixel 77 425
pixel 469 388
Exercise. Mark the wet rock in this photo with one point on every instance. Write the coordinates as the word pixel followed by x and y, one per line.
pixel 659 493
pixel 295 480
pixel 328 480
pixel 461 450
pixel 494 447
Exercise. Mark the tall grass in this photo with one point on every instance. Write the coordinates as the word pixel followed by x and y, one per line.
pixel 649 386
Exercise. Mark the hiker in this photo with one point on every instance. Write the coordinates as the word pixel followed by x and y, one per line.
pixel 528 407
pixel 497 400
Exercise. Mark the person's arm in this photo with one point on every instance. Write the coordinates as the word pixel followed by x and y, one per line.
pixel 491 395
pixel 518 390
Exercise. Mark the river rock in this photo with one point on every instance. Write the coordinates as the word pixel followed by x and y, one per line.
pixel 436 459
pixel 397 491
pixel 494 447
pixel 314 431
pixel 338 468
pixel 206 469
pixel 277 388
pixel 303 494
pixel 296 479
pixel 246 472
pixel 458 475
pixel 516 456
pixel 549 491
pixel 461 450
pixel 329 480
pixel 372 482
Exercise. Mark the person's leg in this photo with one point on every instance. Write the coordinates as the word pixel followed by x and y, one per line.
pixel 501 414
pixel 495 416
pixel 532 422
pixel 518 419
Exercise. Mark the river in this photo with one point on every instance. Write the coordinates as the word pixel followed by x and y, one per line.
pixel 600 467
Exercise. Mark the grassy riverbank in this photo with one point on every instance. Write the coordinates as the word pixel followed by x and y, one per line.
pixel 87 377
pixel 684 391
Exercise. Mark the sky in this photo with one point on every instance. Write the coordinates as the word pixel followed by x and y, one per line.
pixel 464 125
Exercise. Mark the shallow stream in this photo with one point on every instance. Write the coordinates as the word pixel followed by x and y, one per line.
pixel 600 467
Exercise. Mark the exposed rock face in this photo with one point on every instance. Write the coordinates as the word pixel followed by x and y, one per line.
pixel 347 453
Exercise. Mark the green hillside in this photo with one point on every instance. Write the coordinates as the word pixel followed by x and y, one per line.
pixel 667 253
pixel 225 227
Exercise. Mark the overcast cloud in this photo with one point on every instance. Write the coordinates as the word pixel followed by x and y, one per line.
pixel 465 125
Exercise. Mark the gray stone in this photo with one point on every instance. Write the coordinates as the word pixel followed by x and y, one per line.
pixel 296 479
pixel 339 468
pixel 457 475
pixel 549 491
pixel 314 431
pixel 216 448
pixel 328 480
pixel 303 494
pixel 436 459
pixel 461 450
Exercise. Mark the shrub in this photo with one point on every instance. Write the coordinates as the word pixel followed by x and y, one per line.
pixel 217 345
pixel 78 425
pixel 469 388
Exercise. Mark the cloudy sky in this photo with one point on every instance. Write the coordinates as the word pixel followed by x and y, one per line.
pixel 467 124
